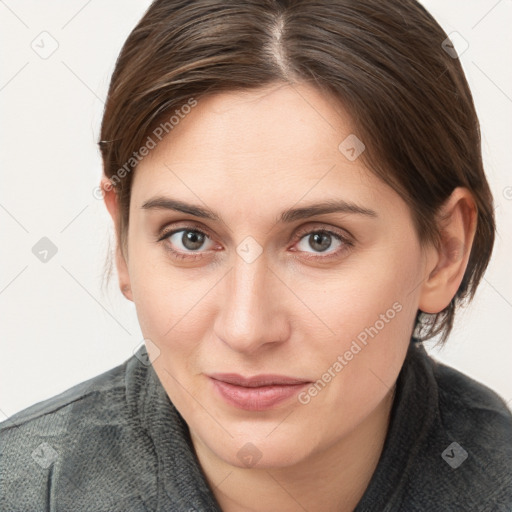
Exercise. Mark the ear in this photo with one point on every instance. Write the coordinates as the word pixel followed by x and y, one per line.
pixel 111 202
pixel 447 264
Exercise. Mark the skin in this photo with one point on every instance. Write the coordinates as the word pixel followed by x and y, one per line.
pixel 249 156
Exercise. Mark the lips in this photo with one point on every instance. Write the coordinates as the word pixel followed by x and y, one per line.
pixel 256 393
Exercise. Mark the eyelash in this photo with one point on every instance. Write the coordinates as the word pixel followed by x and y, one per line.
pixel 192 256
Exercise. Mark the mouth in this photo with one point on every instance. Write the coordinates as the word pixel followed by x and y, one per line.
pixel 257 393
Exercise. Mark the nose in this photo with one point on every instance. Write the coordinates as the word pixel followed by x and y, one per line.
pixel 251 312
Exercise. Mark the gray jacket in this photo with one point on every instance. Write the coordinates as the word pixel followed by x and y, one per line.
pixel 116 443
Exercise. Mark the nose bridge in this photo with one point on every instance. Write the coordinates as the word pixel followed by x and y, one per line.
pixel 249 316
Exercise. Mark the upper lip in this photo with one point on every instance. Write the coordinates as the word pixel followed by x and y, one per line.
pixel 257 380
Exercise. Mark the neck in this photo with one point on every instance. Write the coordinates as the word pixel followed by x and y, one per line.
pixel 333 479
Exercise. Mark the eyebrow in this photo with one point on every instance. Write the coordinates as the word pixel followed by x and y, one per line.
pixel 289 215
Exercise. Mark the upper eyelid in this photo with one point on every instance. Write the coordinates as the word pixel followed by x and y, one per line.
pixel 164 232
pixel 326 229
pixel 303 230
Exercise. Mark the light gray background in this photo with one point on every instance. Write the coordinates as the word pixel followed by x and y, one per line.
pixel 58 326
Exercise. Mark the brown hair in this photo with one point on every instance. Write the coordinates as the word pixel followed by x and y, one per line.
pixel 408 98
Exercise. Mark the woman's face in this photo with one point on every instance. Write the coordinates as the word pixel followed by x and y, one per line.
pixel 247 281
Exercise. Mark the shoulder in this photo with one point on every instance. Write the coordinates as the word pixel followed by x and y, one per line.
pixel 39 441
pixel 471 409
pixel 51 414
pixel 471 441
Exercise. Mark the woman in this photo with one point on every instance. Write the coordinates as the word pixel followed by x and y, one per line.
pixel 299 201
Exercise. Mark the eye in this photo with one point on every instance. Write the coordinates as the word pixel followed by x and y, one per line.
pixel 191 243
pixel 186 241
pixel 320 241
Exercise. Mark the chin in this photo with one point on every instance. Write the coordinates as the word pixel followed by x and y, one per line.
pixel 262 452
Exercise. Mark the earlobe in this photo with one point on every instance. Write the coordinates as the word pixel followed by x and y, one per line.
pixel 127 291
pixel 111 202
pixel 447 263
pixel 124 275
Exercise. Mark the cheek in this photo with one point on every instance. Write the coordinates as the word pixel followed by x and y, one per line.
pixel 174 309
pixel 371 309
pixel 373 296
pixel 151 295
pixel 161 296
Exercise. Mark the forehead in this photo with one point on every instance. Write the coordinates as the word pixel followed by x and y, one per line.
pixel 275 144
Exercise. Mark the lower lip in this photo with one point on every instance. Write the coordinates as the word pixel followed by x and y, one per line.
pixel 256 399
